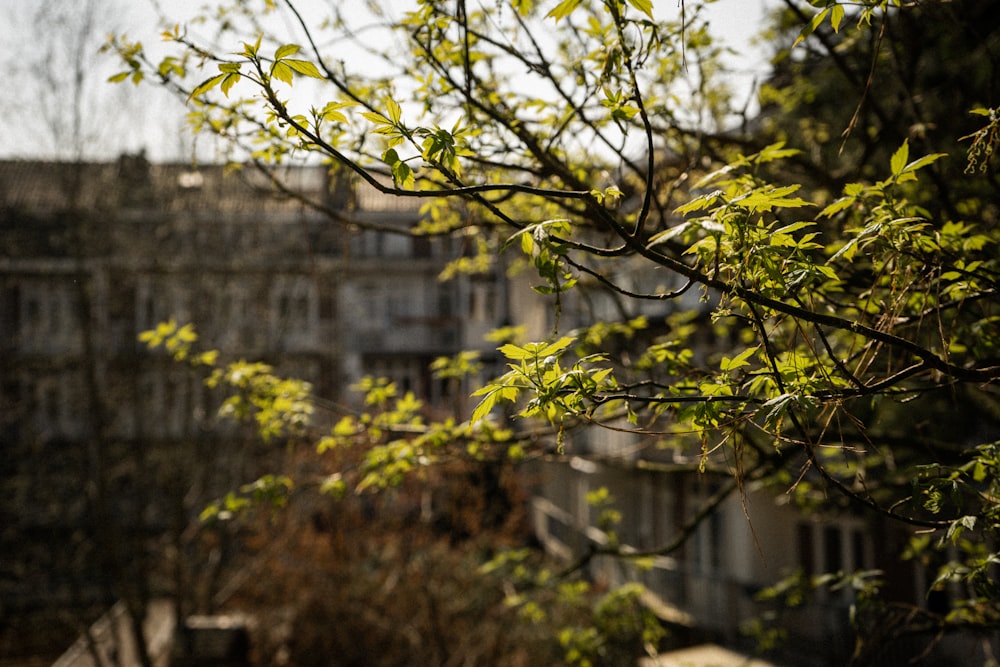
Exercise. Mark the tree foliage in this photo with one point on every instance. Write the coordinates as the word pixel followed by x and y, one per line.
pixel 786 298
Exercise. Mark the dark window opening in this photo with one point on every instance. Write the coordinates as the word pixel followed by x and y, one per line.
pixel 804 537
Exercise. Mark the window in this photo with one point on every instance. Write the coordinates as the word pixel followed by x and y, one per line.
pixel 58 409
pixel 366 244
pixel 836 546
pixel 833 557
pixel 294 312
pixel 421 247
pixel 396 245
pixel 327 304
pixel 32 314
pixel 446 307
pixel 45 319
pixel 145 311
pixel 234 314
pixel 397 307
pixel 10 315
pixel 804 540
pixel 408 373
pixel 157 301
pixel 371 307
pixel 482 302
pixel 706 555
pixel 175 412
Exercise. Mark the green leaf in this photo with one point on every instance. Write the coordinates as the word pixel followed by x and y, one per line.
pixel 847 252
pixel 250 50
pixel 334 485
pixel 739 360
pixel 395 113
pixel 598 376
pixel 836 17
pixel 523 7
pixel 667 234
pixel 899 158
pixel 920 163
pixel 811 28
pixel 777 407
pixel 390 157
pixel 228 83
pixel 281 71
pixel 563 9
pixel 776 151
pixel 402 175
pixel 206 86
pixel 558 346
pixel 209 358
pixel 376 118
pixel 766 200
pixel 794 227
pixel 304 67
pixel 527 242
pixel 493 395
pixel 699 203
pixel 514 352
pixel 644 6
pixel 187 333
pixel 286 50
pixel 331 112
pixel 837 206
pixel 170 65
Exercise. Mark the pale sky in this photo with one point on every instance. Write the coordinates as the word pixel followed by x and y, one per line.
pixel 123 119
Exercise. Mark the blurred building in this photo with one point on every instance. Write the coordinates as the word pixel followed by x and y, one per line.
pixel 105 442
pixel 322 286
pixel 713 576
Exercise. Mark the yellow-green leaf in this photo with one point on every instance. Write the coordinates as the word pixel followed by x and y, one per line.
pixel 390 157
pixel 402 175
pixel 667 234
pixel 331 111
pixel 899 158
pixel 523 7
pixel 228 83
pixel 286 50
pixel 644 6
pixel 282 72
pixel 304 67
pixel 920 163
pixel 811 28
pixel 563 9
pixel 250 50
pixel 740 359
pixel 837 206
pixel 557 346
pixel 836 17
pixel 376 118
pixel 206 85
pixel 515 352
pixel 492 396
pixel 395 113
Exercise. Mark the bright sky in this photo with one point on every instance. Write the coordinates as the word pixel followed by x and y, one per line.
pixel 152 120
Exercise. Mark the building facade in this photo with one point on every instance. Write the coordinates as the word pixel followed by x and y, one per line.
pixel 91 255
pixel 109 448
